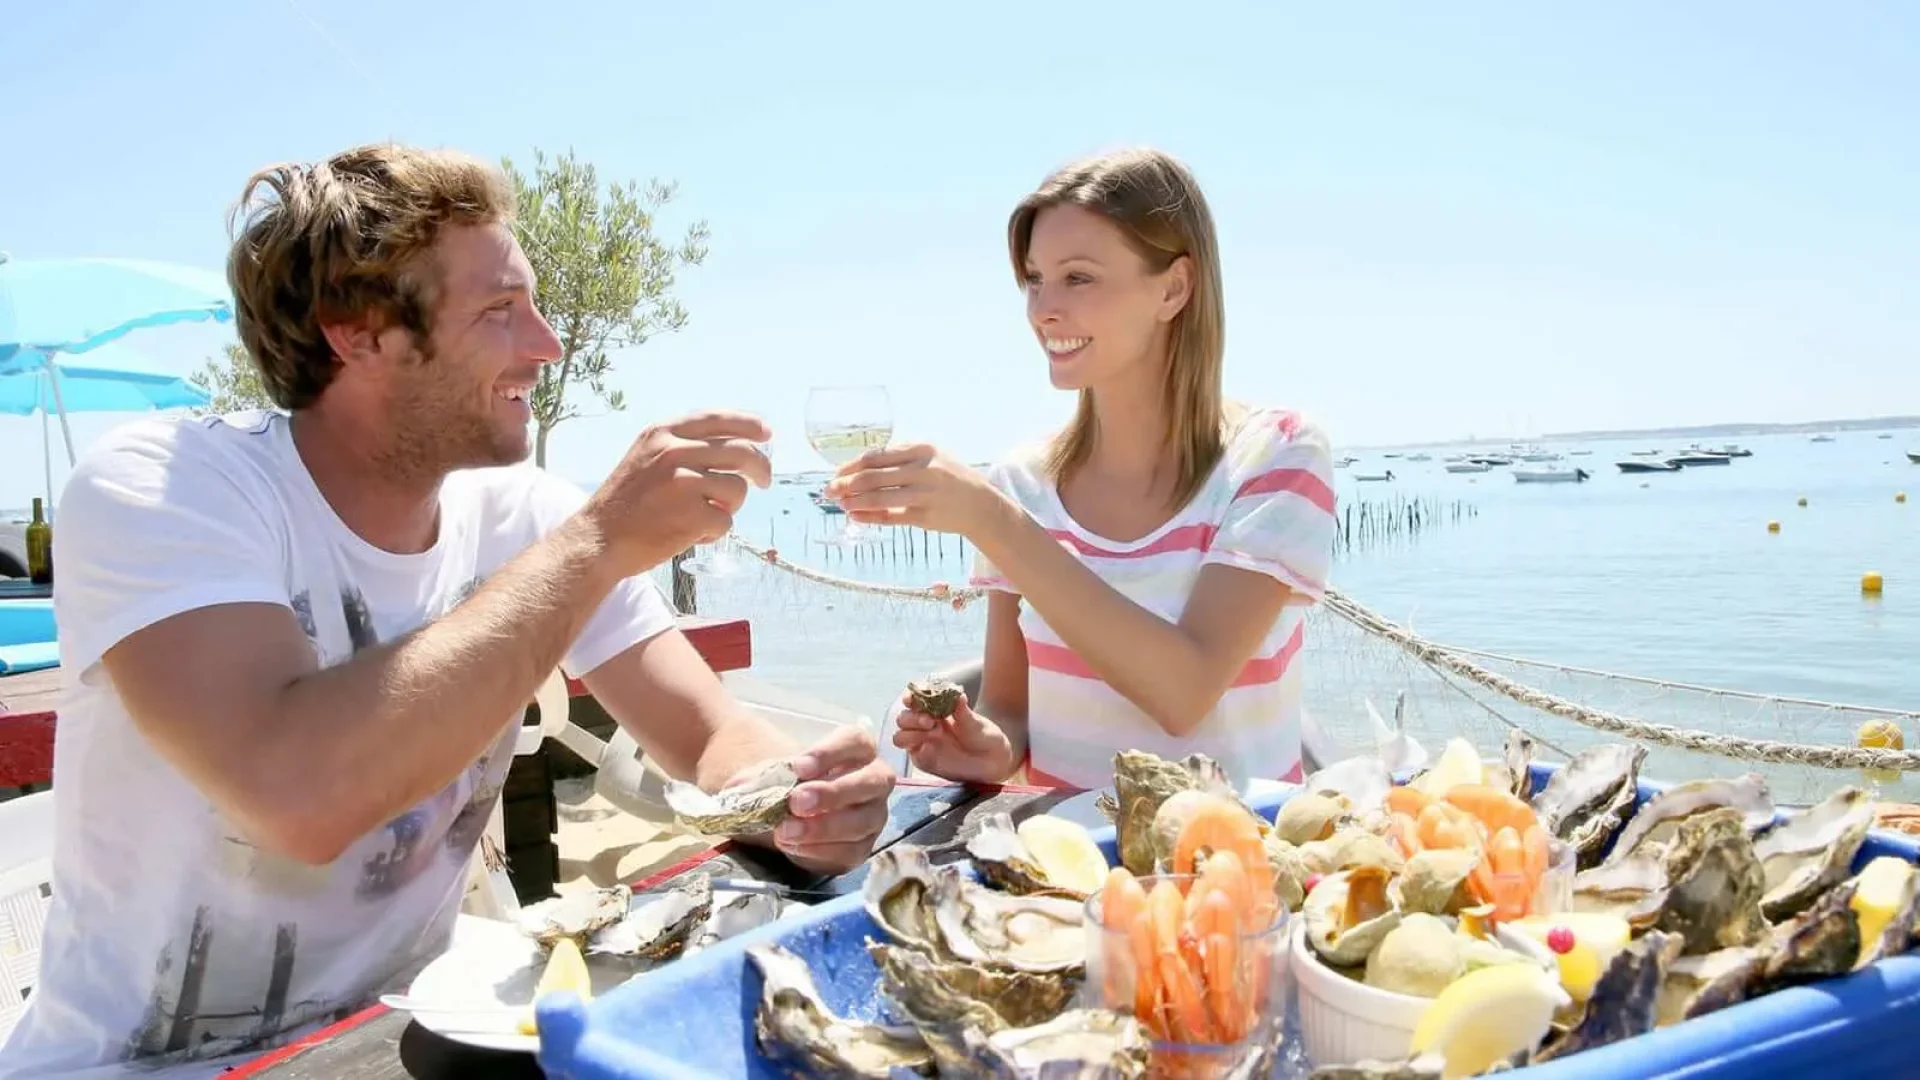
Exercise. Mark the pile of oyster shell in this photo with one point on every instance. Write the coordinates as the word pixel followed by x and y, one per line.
pixel 979 982
pixel 614 926
pixel 1725 897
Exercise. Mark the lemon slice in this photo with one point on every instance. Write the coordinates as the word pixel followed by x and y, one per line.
pixel 1486 1016
pixel 1066 853
pixel 1459 764
pixel 1878 895
pixel 1597 938
pixel 566 970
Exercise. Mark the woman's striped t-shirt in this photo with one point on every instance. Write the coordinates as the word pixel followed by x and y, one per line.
pixel 1268 507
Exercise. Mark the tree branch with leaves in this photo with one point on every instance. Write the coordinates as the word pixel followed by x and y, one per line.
pixel 604 279
pixel 234 383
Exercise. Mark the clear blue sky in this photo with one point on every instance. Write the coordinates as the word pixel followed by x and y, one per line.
pixel 1434 223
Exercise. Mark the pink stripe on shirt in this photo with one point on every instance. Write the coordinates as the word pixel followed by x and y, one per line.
pixel 1258 671
pixel 1301 482
pixel 1197 537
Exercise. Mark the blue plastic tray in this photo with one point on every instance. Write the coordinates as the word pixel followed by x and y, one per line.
pixel 693 1020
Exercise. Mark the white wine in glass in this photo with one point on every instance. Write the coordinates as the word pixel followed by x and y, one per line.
pixel 844 422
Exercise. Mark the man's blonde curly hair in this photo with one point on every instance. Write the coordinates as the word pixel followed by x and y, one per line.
pixel 344 239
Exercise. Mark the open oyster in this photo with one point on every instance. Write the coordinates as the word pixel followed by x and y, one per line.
pixel 1820 942
pixel 1141 783
pixel 1659 820
pixel 942 1012
pixel 1348 914
pixel 929 988
pixel 739 914
pixel 658 926
pixel 1625 1000
pixel 1084 1043
pixel 1308 817
pixel 1633 888
pixel 1714 884
pixel 1023 933
pixel 899 895
pixel 1435 881
pixel 795 1026
pixel 752 806
pixel 1586 801
pixel 1059 861
pixel 1812 849
pixel 575 915
pixel 1512 772
pixel 934 696
pixel 1697 985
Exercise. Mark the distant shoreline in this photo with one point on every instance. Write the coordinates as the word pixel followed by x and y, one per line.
pixel 1700 431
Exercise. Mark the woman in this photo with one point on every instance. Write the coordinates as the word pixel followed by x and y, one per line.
pixel 1149 567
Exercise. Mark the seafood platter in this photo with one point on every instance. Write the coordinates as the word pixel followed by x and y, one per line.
pixel 1483 916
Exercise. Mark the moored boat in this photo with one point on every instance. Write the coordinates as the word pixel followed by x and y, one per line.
pixel 1646 466
pixel 1548 475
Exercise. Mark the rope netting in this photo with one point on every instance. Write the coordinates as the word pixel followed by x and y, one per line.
pixel 890 631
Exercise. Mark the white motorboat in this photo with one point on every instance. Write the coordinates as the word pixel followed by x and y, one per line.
pixel 1420 457
pixel 1550 475
pixel 1822 437
pixel 1374 478
pixel 1468 467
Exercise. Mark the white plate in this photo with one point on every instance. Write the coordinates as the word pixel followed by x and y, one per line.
pixel 490 966
pixel 1080 809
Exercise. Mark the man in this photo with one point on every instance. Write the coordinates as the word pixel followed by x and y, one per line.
pixel 301 644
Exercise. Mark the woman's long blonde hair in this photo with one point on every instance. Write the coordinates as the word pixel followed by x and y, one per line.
pixel 1159 208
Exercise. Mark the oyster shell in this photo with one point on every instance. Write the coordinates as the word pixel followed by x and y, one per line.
pixel 576 915
pixel 1023 933
pixel 934 696
pixel 1348 914
pixel 1435 881
pixel 898 894
pixel 658 926
pixel 1586 801
pixel 1633 888
pixel 1083 1043
pixel 1004 859
pixel 1811 850
pixel 1697 985
pixel 1518 761
pixel 794 1025
pixel 926 988
pixel 1625 1000
pixel 752 806
pixel 1141 783
pixel 1419 957
pixel 739 914
pixel 943 1001
pixel 1169 820
pixel 1658 821
pixel 1820 942
pixel 1362 781
pixel 1308 817
pixel 1714 884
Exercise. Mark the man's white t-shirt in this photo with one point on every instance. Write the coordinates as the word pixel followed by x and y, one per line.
pixel 172 940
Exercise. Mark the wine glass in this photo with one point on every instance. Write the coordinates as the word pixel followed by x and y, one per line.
pixel 844 422
pixel 719 561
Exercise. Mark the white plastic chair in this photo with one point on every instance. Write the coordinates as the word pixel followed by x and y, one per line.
pixel 490 892
pixel 26 891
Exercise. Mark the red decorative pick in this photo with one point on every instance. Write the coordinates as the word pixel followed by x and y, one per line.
pixel 1560 940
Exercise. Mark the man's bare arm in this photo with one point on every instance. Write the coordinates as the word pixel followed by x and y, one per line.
pixel 666 696
pixel 306 760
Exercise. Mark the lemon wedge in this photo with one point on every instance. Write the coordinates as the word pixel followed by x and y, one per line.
pixel 1459 764
pixel 1066 853
pixel 1597 938
pixel 566 970
pixel 1487 1016
pixel 1879 893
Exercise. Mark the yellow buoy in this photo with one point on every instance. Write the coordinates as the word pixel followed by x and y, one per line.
pixel 1773 526
pixel 1899 496
pixel 1880 735
pixel 1870 583
pixel 1803 500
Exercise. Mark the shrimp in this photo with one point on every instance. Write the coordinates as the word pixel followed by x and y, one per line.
pixel 1218 928
pixel 1402 799
pixel 1496 808
pixel 1224 825
pixel 1443 825
pixel 1185 1011
pixel 1123 903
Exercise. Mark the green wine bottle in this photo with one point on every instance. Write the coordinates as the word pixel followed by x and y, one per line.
pixel 39 547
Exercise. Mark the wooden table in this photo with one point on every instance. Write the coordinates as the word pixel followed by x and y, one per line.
pixel 28 702
pixel 381 1044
